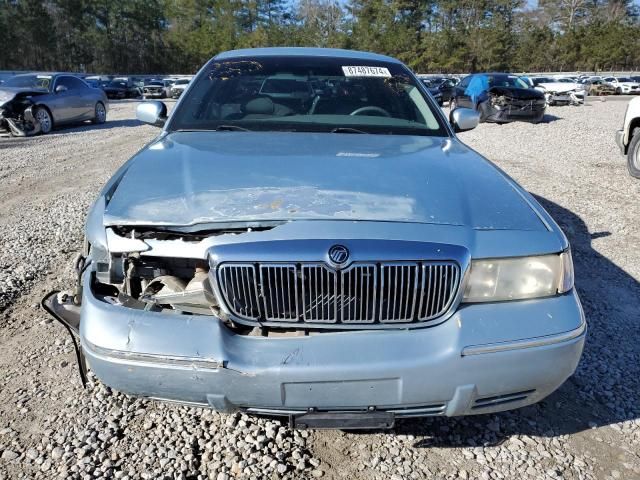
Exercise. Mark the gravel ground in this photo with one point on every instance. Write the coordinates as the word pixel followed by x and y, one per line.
pixel 51 428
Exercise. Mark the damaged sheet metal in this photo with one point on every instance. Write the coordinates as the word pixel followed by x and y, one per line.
pixel 16 114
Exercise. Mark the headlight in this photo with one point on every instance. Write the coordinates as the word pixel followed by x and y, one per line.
pixel 519 278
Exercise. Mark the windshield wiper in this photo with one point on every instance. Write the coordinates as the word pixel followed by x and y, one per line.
pixel 346 130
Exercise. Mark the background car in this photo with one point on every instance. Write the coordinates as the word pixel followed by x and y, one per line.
pixel 440 87
pixel 156 89
pixel 499 98
pixel 624 85
pixel 599 87
pixel 34 103
pixel 561 91
pixel 120 88
pixel 179 86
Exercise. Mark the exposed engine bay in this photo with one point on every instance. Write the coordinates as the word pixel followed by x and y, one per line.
pixel 17 115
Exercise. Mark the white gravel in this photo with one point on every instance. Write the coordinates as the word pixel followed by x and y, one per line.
pixel 51 428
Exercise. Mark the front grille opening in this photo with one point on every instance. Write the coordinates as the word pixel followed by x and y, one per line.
pixel 364 293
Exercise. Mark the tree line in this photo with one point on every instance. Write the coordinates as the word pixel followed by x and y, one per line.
pixel 448 36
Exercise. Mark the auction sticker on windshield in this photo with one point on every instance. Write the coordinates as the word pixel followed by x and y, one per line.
pixel 363 71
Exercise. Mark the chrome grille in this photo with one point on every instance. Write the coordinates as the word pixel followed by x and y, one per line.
pixel 364 293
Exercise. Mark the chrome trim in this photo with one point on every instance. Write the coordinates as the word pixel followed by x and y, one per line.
pixel 351 295
pixel 526 343
pixel 313 252
pixel 151 359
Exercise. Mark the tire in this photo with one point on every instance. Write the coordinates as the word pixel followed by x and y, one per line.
pixel 633 154
pixel 618 91
pixel 100 114
pixel 43 116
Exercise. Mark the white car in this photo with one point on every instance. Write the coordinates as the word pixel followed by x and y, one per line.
pixel 624 85
pixel 628 138
pixel 560 91
pixel 179 86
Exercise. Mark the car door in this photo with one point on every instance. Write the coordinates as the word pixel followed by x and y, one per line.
pixel 62 109
pixel 461 97
pixel 84 97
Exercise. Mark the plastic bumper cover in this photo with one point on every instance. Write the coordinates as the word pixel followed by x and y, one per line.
pixel 485 358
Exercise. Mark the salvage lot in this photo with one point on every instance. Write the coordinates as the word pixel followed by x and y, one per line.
pixel 50 427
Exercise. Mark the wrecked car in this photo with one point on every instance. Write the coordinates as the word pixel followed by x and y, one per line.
pixel 332 255
pixel 560 91
pixel 499 98
pixel 35 103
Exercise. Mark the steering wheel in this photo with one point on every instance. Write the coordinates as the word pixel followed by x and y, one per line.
pixel 370 108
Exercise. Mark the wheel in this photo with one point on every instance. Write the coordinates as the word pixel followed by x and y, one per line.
pixel 101 114
pixel 618 91
pixel 633 154
pixel 452 104
pixel 43 117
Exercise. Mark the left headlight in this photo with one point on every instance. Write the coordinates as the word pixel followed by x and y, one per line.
pixel 495 280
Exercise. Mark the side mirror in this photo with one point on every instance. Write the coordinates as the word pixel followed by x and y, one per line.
pixel 61 88
pixel 463 119
pixel 154 113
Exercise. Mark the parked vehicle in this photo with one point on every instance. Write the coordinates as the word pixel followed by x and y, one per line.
pixel 337 257
pixel 440 87
pixel 179 86
pixel 120 88
pixel 624 85
pixel 599 87
pixel 156 89
pixel 628 138
pixel 499 98
pixel 560 91
pixel 35 103
pixel 434 91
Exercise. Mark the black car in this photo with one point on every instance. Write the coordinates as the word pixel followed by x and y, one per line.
pixel 118 89
pixel 499 98
pixel 440 87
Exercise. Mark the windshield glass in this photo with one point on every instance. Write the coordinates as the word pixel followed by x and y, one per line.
pixel 624 79
pixel 312 94
pixel 41 82
pixel 118 84
pixel 507 81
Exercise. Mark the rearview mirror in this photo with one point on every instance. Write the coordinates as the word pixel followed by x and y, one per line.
pixel 61 88
pixel 463 119
pixel 154 113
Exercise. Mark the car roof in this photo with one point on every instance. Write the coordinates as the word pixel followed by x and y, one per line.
pixel 304 52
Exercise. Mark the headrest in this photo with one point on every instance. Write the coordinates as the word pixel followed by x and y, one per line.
pixel 261 105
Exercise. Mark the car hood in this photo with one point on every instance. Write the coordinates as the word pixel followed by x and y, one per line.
pixel 561 86
pixel 188 178
pixel 9 93
pixel 518 93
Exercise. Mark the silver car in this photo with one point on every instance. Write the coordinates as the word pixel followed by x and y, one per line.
pixel 36 102
pixel 331 253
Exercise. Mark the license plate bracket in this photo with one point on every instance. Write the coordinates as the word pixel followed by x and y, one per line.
pixel 343 420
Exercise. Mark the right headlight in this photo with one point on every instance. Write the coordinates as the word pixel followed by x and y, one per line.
pixel 500 279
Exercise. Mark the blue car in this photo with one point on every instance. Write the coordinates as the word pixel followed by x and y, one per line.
pixel 308 238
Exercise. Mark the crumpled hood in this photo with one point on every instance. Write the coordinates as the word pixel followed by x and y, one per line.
pixel 518 93
pixel 188 178
pixel 9 93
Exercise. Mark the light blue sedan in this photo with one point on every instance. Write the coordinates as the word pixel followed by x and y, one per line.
pixel 307 237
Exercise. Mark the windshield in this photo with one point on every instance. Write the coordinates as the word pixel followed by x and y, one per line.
pixel 625 80
pixel 181 82
pixel 118 84
pixel 41 82
pixel 507 81
pixel 312 94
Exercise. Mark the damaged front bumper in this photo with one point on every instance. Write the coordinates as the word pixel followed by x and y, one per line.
pixel 21 124
pixel 483 359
